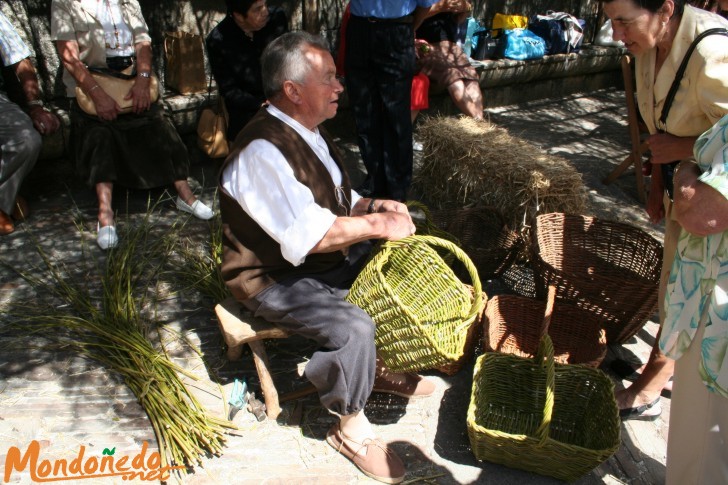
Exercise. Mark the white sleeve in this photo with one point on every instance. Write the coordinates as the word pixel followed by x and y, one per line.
pixel 263 183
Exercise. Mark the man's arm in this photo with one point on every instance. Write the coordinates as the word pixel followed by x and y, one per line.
pixel 43 121
pixel 699 208
pixel 389 220
pixel 454 6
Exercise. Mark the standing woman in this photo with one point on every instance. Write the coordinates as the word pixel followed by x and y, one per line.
pixel 658 33
pixel 140 149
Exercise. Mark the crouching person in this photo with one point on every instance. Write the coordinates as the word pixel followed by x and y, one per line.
pixel 295 236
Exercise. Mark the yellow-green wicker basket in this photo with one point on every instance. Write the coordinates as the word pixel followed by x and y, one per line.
pixel 422 310
pixel 552 419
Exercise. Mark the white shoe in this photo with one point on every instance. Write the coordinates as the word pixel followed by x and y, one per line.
pixel 197 209
pixel 106 237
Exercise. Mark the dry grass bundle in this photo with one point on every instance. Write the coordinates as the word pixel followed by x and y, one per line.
pixel 469 162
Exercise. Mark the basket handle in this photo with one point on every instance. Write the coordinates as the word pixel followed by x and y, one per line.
pixel 550 300
pixel 545 358
pixel 428 225
pixel 445 244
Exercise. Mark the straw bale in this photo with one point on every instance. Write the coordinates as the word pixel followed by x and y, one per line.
pixel 468 162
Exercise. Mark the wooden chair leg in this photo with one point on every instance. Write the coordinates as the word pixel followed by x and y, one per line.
pixel 272 407
pixel 234 352
pixel 619 169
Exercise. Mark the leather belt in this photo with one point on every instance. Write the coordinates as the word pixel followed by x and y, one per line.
pixel 407 19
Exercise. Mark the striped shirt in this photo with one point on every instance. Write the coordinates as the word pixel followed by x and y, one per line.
pixel 12 47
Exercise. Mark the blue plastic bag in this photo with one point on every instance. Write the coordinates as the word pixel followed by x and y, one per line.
pixel 521 44
pixel 465 34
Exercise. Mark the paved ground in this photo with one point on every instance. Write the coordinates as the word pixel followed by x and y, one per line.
pixel 66 402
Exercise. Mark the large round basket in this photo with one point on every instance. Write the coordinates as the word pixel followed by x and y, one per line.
pixel 608 268
pixel 532 414
pixel 515 325
pixel 423 312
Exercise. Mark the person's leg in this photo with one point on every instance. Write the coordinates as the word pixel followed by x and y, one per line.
pixel 106 236
pixel 365 104
pixel 697 446
pixel 467 96
pixel 647 388
pixel 395 68
pixel 343 369
pixel 187 202
pixel 20 146
pixel 104 195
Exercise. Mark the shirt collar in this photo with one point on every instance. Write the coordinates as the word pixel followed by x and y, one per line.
pixel 308 135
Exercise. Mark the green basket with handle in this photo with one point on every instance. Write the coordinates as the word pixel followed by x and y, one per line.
pixel 423 312
pixel 535 415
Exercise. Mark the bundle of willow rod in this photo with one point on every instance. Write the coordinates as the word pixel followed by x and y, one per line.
pixel 197 262
pixel 114 334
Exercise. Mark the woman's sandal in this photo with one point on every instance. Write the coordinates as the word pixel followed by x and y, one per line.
pixel 640 413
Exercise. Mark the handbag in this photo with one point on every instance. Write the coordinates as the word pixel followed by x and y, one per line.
pixel 668 169
pixel 562 32
pixel 503 21
pixel 185 57
pixel 485 45
pixel 520 45
pixel 117 85
pixel 212 130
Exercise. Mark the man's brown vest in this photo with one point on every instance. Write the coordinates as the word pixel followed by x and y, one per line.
pixel 252 260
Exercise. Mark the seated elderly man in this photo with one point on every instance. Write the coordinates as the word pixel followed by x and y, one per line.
pixel 295 236
pixel 20 132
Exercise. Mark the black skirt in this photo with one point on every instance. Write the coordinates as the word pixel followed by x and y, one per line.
pixel 137 151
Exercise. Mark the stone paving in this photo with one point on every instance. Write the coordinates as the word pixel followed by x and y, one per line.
pixel 66 402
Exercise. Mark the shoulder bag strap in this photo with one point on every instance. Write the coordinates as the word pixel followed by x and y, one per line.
pixel 681 71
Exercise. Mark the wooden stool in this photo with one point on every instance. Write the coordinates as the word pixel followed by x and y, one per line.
pixel 239 327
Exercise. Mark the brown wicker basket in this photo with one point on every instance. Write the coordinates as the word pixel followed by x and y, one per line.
pixel 480 231
pixel 609 268
pixel 515 324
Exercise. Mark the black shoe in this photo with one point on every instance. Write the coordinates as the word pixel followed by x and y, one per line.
pixel 640 413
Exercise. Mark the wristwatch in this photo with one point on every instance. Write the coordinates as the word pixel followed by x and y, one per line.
pixel 145 74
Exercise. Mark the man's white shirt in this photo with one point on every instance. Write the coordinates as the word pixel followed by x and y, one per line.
pixel 263 183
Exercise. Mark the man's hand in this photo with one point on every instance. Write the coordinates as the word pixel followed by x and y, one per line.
pixel 44 121
pixel 455 6
pixel 397 225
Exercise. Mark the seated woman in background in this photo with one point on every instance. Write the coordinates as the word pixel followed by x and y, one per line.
pixel 446 64
pixel 234 47
pixel 141 149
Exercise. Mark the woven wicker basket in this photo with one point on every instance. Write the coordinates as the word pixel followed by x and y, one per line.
pixel 480 231
pixel 423 312
pixel 547 418
pixel 515 325
pixel 471 340
pixel 608 268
